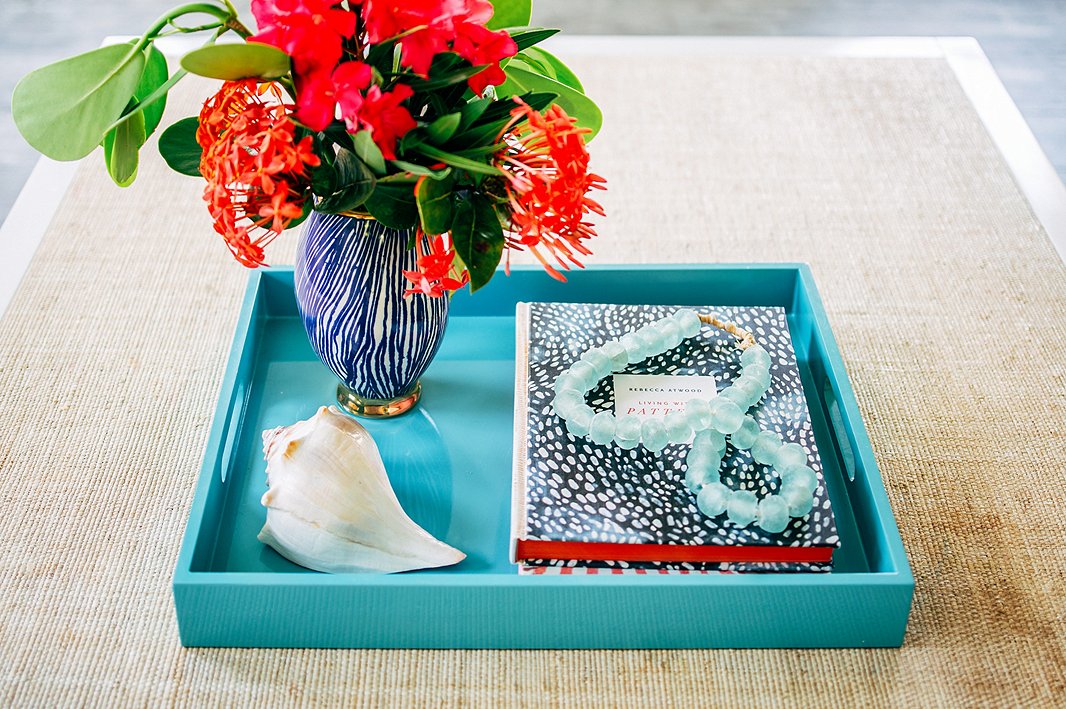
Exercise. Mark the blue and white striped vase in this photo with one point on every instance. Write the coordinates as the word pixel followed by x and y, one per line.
pixel 350 292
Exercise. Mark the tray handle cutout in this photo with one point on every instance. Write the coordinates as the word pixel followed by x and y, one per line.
pixel 840 428
pixel 229 433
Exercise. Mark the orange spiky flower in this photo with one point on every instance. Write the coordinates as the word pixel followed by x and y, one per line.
pixel 436 273
pixel 256 171
pixel 546 165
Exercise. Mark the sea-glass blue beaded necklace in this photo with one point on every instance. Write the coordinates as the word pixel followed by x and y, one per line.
pixel 706 423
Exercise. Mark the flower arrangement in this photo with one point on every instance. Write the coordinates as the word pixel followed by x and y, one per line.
pixel 435 115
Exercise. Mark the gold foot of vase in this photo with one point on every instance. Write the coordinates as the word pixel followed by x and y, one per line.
pixel 377 408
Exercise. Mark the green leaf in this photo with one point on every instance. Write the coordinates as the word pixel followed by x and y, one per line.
pixel 434 200
pixel 458 161
pixel 421 170
pixel 412 139
pixel 230 62
pixel 478 238
pixel 179 148
pixel 481 151
pixel 497 114
pixel 510 13
pixel 525 37
pixel 155 74
pixel 160 94
pixel 551 66
pixel 458 76
pixel 492 120
pixel 575 103
pixel 413 168
pixel 369 152
pixel 393 206
pixel 380 54
pixel 121 145
pixel 64 109
pixel 399 178
pixel 124 139
pixel 472 111
pixel 440 130
pixel 350 183
pixel 477 136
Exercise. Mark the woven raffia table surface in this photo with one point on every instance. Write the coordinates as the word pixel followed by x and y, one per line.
pixel 944 292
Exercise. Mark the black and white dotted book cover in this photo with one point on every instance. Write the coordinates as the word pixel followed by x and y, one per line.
pixel 569 489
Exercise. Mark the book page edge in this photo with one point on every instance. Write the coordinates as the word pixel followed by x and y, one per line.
pixel 519 527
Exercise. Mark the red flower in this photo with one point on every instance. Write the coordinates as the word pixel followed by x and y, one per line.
pixel 430 27
pixel 316 102
pixel 388 18
pixel 256 170
pixel 312 33
pixel 546 165
pixel 385 118
pixel 482 47
pixel 437 273
pixel 377 111
pixel 350 79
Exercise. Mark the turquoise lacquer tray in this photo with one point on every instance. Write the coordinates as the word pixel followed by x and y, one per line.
pixel 450 462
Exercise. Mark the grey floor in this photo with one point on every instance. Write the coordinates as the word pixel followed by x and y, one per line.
pixel 1023 38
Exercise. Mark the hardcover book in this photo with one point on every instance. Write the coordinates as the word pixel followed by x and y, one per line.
pixel 588 507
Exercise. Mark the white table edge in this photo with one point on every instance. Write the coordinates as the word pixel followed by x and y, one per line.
pixel 38 201
pixel 1032 170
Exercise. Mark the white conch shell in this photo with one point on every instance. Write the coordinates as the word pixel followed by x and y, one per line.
pixel 330 506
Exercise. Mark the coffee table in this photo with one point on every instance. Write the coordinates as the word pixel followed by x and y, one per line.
pixel 898 168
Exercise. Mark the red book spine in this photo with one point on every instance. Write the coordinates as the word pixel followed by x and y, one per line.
pixel 672 553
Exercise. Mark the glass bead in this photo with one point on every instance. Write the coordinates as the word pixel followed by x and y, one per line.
pixel 698 413
pixel 800 476
pixel 726 417
pixel 790 454
pixel 759 374
pixel 677 427
pixel 653 435
pixel 584 375
pixel 710 440
pixel 627 428
pixel 617 354
pixel 742 507
pixel 627 444
pixel 653 342
pixel 764 449
pixel 744 437
pixel 713 498
pixel 750 387
pixel 670 332
pixel 702 458
pixel 707 447
pixel 565 381
pixel 601 430
pixel 738 397
pixel 689 322
pixel 603 373
pixel 799 499
pixel 566 402
pixel 755 369
pixel 773 514
pixel 599 360
pixel 699 473
pixel 634 347
pixel 579 421
pixel 755 354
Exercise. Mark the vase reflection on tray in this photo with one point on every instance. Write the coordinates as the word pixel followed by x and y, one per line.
pixel 350 285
